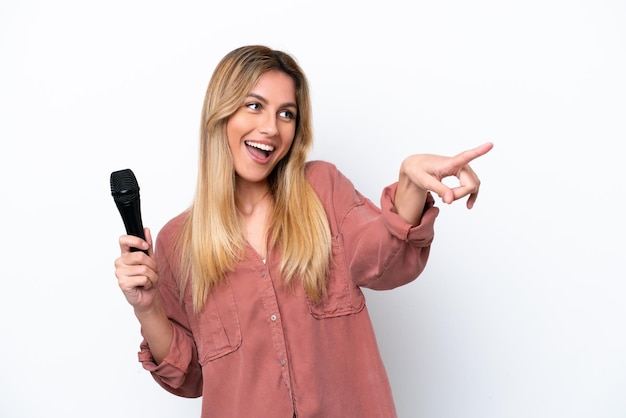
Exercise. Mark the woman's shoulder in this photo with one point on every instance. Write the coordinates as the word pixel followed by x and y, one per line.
pixel 330 183
pixel 321 170
pixel 170 231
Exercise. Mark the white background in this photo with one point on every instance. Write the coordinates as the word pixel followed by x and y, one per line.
pixel 520 312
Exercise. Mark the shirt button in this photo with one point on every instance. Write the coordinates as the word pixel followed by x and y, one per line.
pixel 273 318
pixel 282 362
pixel 262 273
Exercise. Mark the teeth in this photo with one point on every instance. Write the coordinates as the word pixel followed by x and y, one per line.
pixel 263 147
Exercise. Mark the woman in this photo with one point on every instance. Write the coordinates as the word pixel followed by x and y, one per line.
pixel 251 298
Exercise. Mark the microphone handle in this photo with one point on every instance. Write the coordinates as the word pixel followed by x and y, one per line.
pixel 131 215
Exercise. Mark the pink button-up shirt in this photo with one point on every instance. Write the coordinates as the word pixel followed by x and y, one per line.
pixel 259 349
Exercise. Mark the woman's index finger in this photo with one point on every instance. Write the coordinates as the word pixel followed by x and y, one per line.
pixel 467 156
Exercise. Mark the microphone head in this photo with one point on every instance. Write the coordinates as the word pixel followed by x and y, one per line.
pixel 124 186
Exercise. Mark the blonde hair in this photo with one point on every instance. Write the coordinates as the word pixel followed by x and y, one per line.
pixel 212 241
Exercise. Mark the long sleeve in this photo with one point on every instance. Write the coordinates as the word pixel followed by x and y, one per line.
pixel 381 250
pixel 179 372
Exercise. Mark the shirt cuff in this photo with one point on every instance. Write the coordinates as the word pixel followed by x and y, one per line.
pixel 419 235
pixel 175 366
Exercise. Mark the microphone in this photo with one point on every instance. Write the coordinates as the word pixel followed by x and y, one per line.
pixel 125 192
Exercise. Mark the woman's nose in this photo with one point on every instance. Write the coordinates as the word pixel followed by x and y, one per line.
pixel 268 125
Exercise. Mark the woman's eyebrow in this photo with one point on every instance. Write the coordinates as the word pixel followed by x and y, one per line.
pixel 258 97
pixel 264 100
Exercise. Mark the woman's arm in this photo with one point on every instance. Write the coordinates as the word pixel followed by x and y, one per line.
pixel 138 277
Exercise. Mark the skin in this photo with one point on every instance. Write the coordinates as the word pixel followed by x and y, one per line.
pixel 267 117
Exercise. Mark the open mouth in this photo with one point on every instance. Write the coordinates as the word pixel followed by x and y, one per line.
pixel 259 150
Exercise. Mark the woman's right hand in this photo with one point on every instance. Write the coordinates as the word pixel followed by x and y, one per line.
pixel 136 272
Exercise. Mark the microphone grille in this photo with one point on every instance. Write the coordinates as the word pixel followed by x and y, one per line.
pixel 124 186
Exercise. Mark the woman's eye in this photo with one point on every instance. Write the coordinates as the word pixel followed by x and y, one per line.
pixel 253 106
pixel 287 114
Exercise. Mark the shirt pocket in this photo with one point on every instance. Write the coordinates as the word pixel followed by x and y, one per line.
pixel 344 297
pixel 217 331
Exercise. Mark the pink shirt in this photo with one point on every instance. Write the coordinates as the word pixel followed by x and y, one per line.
pixel 261 350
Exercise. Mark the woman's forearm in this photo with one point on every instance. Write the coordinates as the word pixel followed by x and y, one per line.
pixel 157 329
pixel 410 199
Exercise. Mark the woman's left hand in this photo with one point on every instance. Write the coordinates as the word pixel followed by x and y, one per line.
pixel 421 173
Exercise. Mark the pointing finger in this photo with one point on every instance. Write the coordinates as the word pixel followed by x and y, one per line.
pixel 466 157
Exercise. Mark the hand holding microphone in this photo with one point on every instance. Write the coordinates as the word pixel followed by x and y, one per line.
pixel 137 277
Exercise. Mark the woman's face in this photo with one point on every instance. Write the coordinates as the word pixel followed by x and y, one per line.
pixel 261 131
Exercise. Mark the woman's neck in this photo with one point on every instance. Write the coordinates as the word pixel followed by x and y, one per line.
pixel 251 197
pixel 255 205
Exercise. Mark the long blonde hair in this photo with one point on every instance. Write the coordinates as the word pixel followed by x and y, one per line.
pixel 212 239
